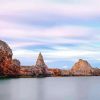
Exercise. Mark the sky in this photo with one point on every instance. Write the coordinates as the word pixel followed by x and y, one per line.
pixel 62 30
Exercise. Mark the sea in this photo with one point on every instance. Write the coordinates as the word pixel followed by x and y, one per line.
pixel 50 88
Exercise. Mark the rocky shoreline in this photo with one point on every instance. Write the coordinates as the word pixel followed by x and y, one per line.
pixel 13 69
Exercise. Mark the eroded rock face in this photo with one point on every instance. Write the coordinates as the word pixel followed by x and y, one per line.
pixel 65 73
pixel 26 71
pixel 82 67
pixel 8 67
pixel 40 69
pixel 55 72
pixel 40 61
pixel 5 57
pixel 5 49
pixel 96 71
pixel 16 62
pixel 15 67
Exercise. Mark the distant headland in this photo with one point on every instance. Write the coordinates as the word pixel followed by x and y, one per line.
pixel 12 68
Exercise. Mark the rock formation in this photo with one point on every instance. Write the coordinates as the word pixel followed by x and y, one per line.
pixel 16 62
pixel 40 61
pixel 11 67
pixel 65 73
pixel 82 67
pixel 7 65
pixel 55 72
pixel 96 72
pixel 15 67
pixel 5 57
pixel 26 71
pixel 40 69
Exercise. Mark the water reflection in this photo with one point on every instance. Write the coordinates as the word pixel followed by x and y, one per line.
pixel 40 89
pixel 82 89
pixel 68 88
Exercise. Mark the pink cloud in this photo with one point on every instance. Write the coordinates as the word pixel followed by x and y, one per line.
pixel 84 9
pixel 23 44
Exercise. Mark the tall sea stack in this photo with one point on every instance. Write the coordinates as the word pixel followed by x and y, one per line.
pixel 40 61
pixel 40 69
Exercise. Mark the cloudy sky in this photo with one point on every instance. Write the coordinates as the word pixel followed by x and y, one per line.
pixel 63 30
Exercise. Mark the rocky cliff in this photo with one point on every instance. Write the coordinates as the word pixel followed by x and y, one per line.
pixel 82 67
pixel 7 65
pixel 11 67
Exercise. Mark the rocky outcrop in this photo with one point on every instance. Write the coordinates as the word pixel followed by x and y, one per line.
pixel 5 58
pixel 82 67
pixel 40 69
pixel 26 71
pixel 59 72
pixel 7 65
pixel 11 67
pixel 16 62
pixel 65 73
pixel 12 70
pixel 40 61
pixel 55 72
pixel 15 67
pixel 96 72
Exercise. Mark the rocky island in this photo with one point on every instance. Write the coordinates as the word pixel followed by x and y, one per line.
pixel 12 67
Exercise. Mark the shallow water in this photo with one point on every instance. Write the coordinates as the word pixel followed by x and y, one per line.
pixel 67 88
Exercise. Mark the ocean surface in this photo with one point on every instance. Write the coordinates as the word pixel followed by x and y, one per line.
pixel 65 88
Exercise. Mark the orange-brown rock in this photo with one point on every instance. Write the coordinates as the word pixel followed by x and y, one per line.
pixel 82 67
pixel 55 72
pixel 26 71
pixel 15 67
pixel 11 67
pixel 5 57
pixel 96 71
pixel 7 65
pixel 65 72
pixel 40 69
pixel 16 62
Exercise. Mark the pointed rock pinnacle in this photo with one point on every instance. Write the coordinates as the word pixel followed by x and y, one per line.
pixel 40 61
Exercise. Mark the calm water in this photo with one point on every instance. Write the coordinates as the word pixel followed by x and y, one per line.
pixel 67 88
